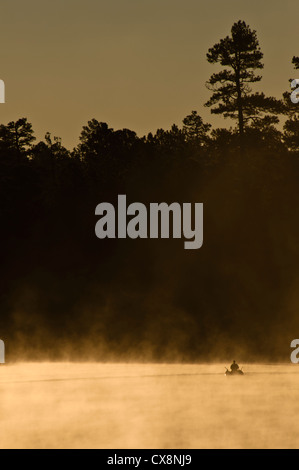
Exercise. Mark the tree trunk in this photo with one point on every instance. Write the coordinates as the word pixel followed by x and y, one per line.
pixel 239 106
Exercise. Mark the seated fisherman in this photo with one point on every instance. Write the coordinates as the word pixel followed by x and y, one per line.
pixel 234 367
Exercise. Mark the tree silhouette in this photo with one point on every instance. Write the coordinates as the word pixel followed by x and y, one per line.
pixel 295 61
pixel 240 54
pixel 17 135
pixel 195 130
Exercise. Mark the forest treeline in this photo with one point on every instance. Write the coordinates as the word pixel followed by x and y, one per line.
pixel 64 293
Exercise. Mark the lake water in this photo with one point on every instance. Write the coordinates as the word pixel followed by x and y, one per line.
pixel 93 405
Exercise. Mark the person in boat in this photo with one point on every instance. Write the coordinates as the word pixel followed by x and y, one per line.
pixel 234 367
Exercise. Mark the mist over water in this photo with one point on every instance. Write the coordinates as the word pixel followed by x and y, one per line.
pixel 94 405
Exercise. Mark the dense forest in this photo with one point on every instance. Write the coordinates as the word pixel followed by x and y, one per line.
pixel 66 294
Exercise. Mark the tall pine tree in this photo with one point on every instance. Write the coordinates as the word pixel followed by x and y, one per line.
pixel 232 96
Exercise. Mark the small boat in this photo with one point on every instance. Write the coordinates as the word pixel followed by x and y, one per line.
pixel 234 372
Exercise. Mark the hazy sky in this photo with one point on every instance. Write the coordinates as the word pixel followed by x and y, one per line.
pixel 139 64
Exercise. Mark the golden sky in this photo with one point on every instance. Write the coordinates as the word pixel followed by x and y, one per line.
pixel 139 64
